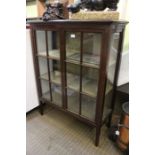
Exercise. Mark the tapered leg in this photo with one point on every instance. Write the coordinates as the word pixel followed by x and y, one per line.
pixel 41 109
pixel 98 131
pixel 108 124
pixel 112 107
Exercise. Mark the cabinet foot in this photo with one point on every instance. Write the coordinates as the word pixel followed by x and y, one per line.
pixel 98 131
pixel 41 109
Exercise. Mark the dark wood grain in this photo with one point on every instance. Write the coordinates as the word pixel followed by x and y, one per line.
pixel 48 64
pixel 81 60
pixel 106 38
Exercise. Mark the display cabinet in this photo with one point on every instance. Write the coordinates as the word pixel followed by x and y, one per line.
pixel 76 67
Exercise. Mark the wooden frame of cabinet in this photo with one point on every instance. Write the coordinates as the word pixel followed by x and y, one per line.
pixel 106 29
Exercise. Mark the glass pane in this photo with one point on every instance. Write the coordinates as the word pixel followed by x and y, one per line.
pixel 91 48
pixel 88 107
pixel 41 42
pixel 45 89
pixel 90 81
pixel 53 44
pixel 73 101
pixel 43 68
pixel 73 46
pixel 73 76
pixel 55 73
pixel 112 57
pixel 56 94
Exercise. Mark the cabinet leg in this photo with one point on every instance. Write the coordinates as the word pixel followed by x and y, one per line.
pixel 108 124
pixel 98 131
pixel 41 109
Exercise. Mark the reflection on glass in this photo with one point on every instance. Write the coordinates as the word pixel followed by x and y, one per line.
pixel 56 94
pixel 43 68
pixel 90 81
pixel 73 76
pixel 112 57
pixel 88 107
pixel 53 44
pixel 91 48
pixel 45 89
pixel 73 46
pixel 73 101
pixel 55 73
pixel 41 42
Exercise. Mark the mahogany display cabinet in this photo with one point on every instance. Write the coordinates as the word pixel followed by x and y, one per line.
pixel 76 67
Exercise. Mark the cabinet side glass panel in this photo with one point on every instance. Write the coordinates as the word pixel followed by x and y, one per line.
pixel 112 57
pixel 110 74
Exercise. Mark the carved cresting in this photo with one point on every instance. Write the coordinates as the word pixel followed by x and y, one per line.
pixel 97 5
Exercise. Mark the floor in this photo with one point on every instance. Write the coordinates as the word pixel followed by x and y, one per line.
pixel 56 133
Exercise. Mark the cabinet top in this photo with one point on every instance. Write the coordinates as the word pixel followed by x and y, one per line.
pixel 67 21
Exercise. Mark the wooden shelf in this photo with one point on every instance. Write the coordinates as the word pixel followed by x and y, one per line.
pixel 90 65
pixel 53 54
pixel 55 77
pixel 89 86
pixel 83 64
pixel 73 62
pixel 88 60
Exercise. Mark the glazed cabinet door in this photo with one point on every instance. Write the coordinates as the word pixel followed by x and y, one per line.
pixel 48 57
pixel 111 71
pixel 82 62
